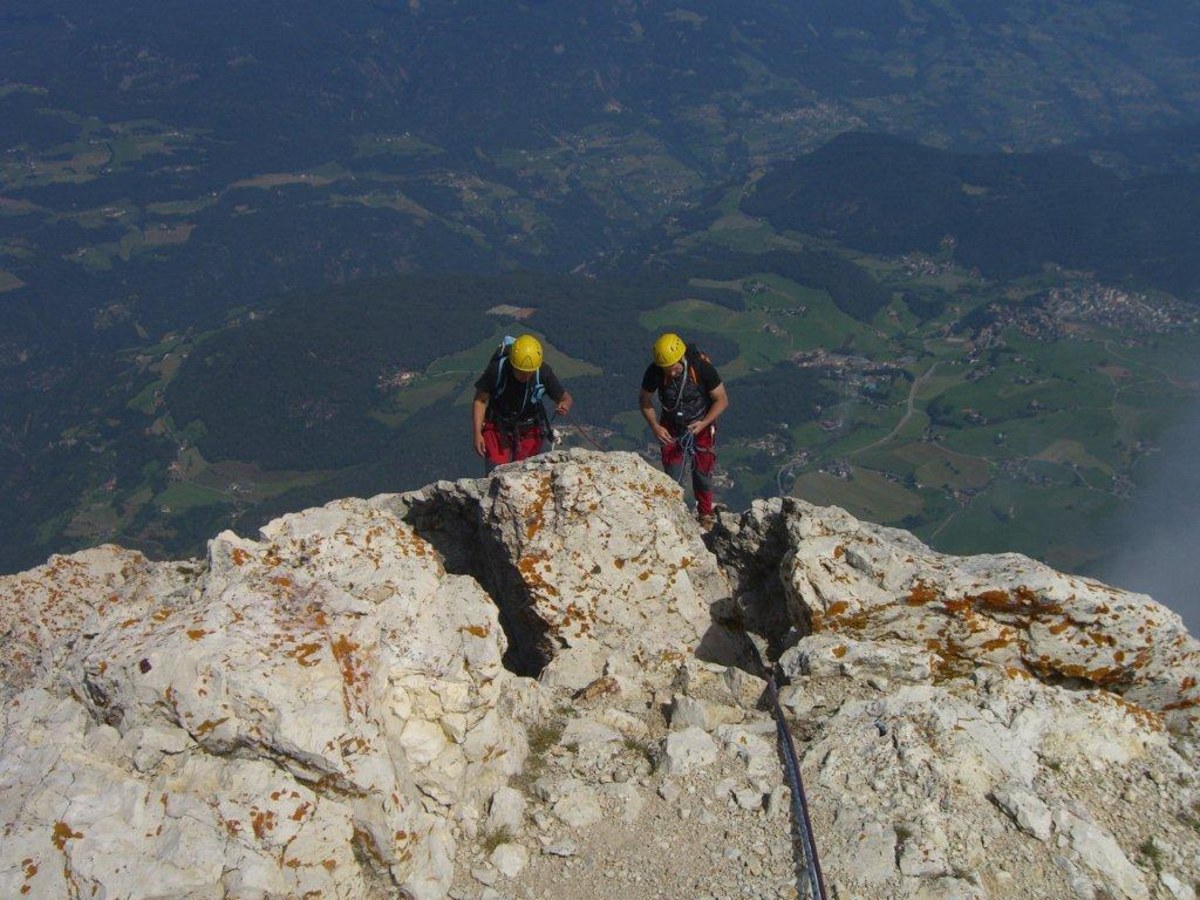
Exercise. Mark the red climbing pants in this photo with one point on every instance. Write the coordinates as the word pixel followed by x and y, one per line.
pixel 702 466
pixel 498 442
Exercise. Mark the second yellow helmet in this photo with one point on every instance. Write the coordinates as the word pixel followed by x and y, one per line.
pixel 668 350
pixel 525 354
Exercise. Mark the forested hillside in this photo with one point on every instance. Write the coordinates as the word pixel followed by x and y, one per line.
pixel 1007 214
pixel 252 257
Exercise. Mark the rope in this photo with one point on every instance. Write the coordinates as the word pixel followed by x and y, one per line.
pixel 587 437
pixel 791 766
pixel 812 865
pixel 683 380
pixel 687 443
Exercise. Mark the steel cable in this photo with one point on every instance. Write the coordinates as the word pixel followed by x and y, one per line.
pixel 812 864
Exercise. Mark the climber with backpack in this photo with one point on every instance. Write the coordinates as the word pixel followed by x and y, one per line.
pixel 508 415
pixel 691 398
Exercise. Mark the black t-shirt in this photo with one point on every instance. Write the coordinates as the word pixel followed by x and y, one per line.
pixel 686 397
pixel 515 400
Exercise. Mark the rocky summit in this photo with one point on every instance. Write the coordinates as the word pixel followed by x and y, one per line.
pixel 550 683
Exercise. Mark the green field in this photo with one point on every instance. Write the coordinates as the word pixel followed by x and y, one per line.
pixel 865 493
pixel 1016 449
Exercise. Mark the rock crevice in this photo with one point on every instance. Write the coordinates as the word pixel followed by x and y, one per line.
pixel 539 683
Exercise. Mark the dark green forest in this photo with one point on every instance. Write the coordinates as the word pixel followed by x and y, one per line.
pixel 1006 214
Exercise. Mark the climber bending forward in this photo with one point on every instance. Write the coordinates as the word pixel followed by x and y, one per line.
pixel 691 398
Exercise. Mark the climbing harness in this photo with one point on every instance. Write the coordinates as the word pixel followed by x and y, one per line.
pixel 513 427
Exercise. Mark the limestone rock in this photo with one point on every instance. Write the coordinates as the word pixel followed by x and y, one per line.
pixel 326 688
pixel 688 750
pixel 1026 809
pixel 590 555
pixel 506 811
pixel 355 703
pixel 510 859
pixel 688 712
pixel 868 583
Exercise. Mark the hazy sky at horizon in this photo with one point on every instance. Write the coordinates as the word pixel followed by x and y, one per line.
pixel 1161 554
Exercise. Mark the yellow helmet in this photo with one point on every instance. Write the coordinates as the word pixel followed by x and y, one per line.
pixel 525 354
pixel 668 350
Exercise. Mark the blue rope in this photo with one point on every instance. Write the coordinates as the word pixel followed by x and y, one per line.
pixel 687 443
pixel 816 880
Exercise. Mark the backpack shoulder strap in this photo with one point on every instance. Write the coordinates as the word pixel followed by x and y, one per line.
pixel 692 357
pixel 501 357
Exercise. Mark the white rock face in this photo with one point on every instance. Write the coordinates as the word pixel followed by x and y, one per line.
pixel 593 554
pixel 688 750
pixel 902 608
pixel 306 715
pixel 508 686
pixel 933 683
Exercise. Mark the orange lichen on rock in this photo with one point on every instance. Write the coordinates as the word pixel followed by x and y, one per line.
pixel 1020 600
pixel 63 833
pixel 994 599
pixel 343 652
pixel 208 725
pixel 605 684
pixel 920 594
pixel 1188 703
pixel 575 615
pixel 302 653
pixel 1147 718
pixel 952 660
pixel 479 631
pixel 995 644
pixel 839 618
pixel 840 650
pixel 239 556
pixel 537 517
pixel 261 821
pixel 1101 676
pixel 959 606
pixel 527 566
pixel 30 870
pixel 366 843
